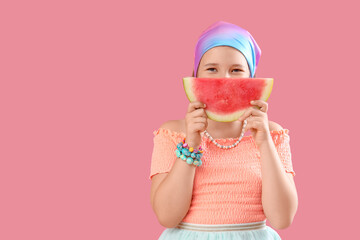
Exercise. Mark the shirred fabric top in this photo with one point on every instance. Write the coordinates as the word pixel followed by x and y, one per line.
pixel 227 186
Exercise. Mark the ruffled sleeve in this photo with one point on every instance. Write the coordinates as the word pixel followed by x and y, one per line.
pixel 281 140
pixel 163 155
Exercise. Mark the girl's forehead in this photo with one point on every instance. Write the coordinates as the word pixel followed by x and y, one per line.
pixel 222 54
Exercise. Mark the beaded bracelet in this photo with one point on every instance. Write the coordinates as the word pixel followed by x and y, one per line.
pixel 189 154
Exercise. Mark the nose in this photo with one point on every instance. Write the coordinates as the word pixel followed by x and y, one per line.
pixel 227 75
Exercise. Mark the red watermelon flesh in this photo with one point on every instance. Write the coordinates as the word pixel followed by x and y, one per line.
pixel 227 99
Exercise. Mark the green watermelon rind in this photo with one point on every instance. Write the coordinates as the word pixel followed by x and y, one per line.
pixel 187 84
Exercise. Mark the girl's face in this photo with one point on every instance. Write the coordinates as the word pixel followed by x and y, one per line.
pixel 223 62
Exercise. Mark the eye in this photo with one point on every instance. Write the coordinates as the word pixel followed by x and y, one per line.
pixel 239 70
pixel 210 68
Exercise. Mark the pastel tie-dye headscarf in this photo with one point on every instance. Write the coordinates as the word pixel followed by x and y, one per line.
pixel 227 34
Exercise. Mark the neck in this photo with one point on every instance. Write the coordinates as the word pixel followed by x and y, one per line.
pixel 224 128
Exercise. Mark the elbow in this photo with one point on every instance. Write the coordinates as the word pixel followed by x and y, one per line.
pixel 166 220
pixel 169 219
pixel 282 220
pixel 168 223
pixel 282 225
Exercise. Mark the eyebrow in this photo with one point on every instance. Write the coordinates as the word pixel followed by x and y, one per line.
pixel 218 64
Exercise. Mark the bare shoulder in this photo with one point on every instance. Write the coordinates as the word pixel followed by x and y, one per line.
pixel 273 126
pixel 174 125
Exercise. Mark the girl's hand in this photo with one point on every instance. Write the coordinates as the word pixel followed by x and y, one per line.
pixel 196 122
pixel 257 121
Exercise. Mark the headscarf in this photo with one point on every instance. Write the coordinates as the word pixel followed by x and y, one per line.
pixel 227 34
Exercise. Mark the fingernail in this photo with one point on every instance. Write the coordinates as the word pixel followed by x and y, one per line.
pixel 252 102
pixel 204 105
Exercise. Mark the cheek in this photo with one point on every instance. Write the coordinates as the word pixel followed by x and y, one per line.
pixel 202 74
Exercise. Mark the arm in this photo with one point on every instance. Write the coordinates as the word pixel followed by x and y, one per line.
pixel 172 198
pixel 171 192
pixel 279 196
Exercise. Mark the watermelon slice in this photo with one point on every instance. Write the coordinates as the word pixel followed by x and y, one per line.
pixel 227 99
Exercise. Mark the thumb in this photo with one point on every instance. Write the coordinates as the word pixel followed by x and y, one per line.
pixel 241 118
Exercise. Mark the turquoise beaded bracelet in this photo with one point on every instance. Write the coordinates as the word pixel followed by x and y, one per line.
pixel 189 154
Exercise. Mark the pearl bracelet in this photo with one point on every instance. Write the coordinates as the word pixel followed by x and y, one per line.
pixel 189 154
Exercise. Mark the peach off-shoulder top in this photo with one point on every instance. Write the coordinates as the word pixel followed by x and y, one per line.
pixel 227 186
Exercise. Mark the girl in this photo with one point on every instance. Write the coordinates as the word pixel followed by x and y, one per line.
pixel 201 190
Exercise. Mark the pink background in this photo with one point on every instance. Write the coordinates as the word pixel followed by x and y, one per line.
pixel 85 83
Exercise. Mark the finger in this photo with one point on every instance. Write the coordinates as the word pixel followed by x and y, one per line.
pixel 254 123
pixel 200 126
pixel 200 120
pixel 251 112
pixel 262 105
pixel 241 118
pixel 251 124
pixel 198 113
pixel 195 105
